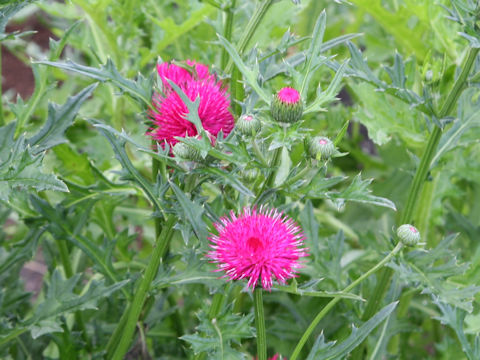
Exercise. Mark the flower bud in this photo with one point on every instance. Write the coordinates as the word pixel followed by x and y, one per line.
pixel 320 147
pixel 287 106
pixel 408 235
pixel 248 124
pixel 186 152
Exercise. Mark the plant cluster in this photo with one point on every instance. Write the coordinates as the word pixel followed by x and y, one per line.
pixel 194 179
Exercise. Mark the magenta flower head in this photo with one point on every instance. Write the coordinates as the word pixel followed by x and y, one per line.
pixel 287 106
pixel 169 111
pixel 258 245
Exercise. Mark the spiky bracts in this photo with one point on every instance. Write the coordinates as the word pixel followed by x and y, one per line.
pixel 258 245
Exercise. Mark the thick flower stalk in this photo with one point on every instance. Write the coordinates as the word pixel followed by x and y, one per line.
pixel 169 111
pixel 258 245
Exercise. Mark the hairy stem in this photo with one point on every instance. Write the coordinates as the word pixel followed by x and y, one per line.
pixel 331 303
pixel 260 324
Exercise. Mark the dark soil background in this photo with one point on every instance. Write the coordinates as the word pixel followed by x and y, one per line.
pixel 16 75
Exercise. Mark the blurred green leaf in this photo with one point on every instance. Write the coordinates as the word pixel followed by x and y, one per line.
pixel 58 121
pixel 331 350
pixel 141 90
pixel 216 337
pixel 20 169
pixel 358 191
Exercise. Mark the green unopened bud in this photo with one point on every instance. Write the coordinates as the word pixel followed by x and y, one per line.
pixel 249 175
pixel 320 147
pixel 186 152
pixel 287 106
pixel 248 124
pixel 408 235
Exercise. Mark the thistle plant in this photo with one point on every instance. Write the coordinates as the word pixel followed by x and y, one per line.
pixel 216 180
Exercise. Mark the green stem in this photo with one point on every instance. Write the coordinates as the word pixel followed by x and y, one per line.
pixel 273 170
pixel 260 324
pixel 141 293
pixel 420 177
pixel 2 120
pixel 331 303
pixel 258 152
pixel 252 25
pixel 227 34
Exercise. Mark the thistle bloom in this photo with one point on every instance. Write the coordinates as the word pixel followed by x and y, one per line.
pixel 169 111
pixel 258 244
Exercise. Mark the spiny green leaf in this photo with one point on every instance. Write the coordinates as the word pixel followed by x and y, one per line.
pixel 231 180
pixel 358 191
pixel 59 119
pixel 61 299
pixel 117 141
pixel 216 337
pixel 468 118
pixel 330 350
pixel 20 169
pixel 193 213
pixel 455 317
pixel 430 271
pixel 140 89
pixel 313 51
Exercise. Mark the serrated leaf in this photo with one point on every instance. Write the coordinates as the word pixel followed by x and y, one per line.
pixel 140 89
pixel 358 191
pixel 455 317
pixel 215 337
pixel 193 213
pixel 195 273
pixel 8 11
pixel 61 299
pixel 330 350
pixel 468 117
pixel 58 120
pixel 20 169
pixel 117 141
pixel 313 52
pixel 330 93
pixel 23 251
pixel 231 180
pixel 310 226
pixel 429 271
pixel 358 67
pixel 45 327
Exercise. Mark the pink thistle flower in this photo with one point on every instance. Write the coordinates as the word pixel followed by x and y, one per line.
pixel 169 111
pixel 289 95
pixel 262 244
pixel 287 106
